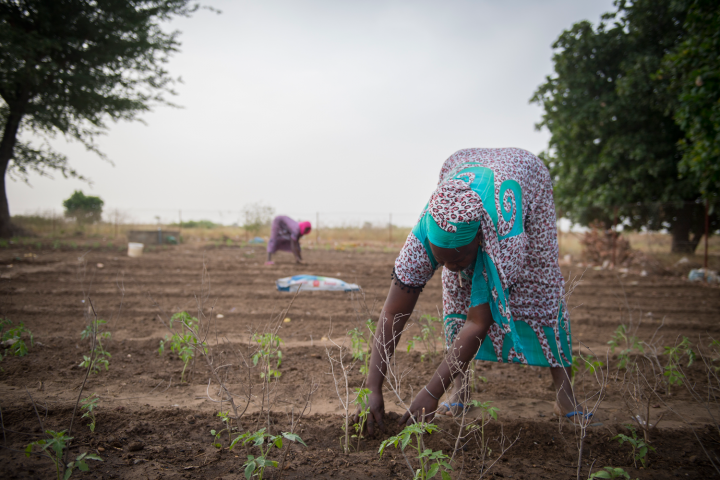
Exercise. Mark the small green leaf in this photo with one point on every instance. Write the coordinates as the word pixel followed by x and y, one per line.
pixel 249 469
pixel 433 471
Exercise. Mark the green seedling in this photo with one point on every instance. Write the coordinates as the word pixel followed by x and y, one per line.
pixel 590 363
pixel 675 354
pixel 100 356
pixel 12 341
pixel 225 418
pixel 429 326
pixel 623 339
pixel 486 413
pixel 361 400
pixel 185 342
pixel 53 448
pixel 358 348
pixel 610 472
pixel 640 448
pixel 430 462
pixel 474 377
pixel 88 405
pixel 269 350
pixel 255 466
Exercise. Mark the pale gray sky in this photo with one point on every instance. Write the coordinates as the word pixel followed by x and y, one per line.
pixel 330 106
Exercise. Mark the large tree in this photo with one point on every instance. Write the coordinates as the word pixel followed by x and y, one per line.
pixel 614 148
pixel 693 71
pixel 69 66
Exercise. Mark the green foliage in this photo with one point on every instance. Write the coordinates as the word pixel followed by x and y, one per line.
pixel 429 337
pixel 84 209
pixel 486 413
pixel 430 462
pixel 53 448
pixel 257 216
pixel 693 72
pixel 590 362
pixel 614 146
pixel 255 466
pixel 225 418
pixel 361 400
pixel 675 353
pixel 99 356
pixel 640 448
pixel 629 343
pixel 610 472
pixel 269 349
pixel 207 224
pixel 359 348
pixel 88 405
pixel 185 342
pixel 12 341
pixel 104 60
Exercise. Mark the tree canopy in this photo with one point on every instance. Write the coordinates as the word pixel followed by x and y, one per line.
pixel 69 66
pixel 83 208
pixel 616 146
pixel 693 73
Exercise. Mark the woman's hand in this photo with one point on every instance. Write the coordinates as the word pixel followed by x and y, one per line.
pixel 374 419
pixel 423 400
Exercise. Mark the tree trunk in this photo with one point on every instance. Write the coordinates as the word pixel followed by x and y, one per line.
pixel 7 145
pixel 689 220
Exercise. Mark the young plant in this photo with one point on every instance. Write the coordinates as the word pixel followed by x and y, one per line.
pixel 675 353
pixel 639 447
pixel 486 413
pixel 88 404
pixel 358 348
pixel 12 340
pixel 428 336
pixel 361 400
pixel 430 462
pixel 623 338
pixel 255 466
pixel 225 418
pixel 53 449
pixel 184 342
pixel 269 350
pixel 610 472
pixel 99 356
pixel 590 363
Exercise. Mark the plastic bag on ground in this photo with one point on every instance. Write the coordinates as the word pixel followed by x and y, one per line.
pixel 700 274
pixel 314 283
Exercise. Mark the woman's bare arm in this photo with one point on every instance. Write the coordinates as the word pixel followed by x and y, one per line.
pixel 398 307
pixel 463 350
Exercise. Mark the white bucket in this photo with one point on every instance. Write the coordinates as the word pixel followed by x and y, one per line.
pixel 135 249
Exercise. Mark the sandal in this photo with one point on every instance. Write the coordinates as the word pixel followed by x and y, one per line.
pixel 449 407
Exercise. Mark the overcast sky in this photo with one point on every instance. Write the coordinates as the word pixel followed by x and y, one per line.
pixel 348 108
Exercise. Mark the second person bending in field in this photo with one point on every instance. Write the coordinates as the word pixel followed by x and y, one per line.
pixel 491 224
pixel 285 235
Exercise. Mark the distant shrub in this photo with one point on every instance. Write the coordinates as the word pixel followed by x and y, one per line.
pixel 196 224
pixel 83 208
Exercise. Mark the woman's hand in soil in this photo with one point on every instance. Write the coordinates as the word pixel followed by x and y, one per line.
pixel 374 422
pixel 423 401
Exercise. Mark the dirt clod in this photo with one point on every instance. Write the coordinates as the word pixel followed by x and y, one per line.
pixel 135 446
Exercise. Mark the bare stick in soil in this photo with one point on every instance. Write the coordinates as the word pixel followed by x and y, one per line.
pixel 336 381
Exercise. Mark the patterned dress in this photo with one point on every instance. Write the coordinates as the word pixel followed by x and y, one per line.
pixel 284 231
pixel 517 269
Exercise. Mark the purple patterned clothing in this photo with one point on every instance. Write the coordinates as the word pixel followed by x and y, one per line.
pixel 284 231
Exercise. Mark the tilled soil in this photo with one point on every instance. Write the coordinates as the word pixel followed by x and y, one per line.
pixel 152 425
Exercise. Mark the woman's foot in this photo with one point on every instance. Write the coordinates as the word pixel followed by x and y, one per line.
pixel 456 399
pixel 576 416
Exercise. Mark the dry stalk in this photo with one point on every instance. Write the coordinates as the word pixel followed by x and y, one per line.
pixel 336 381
